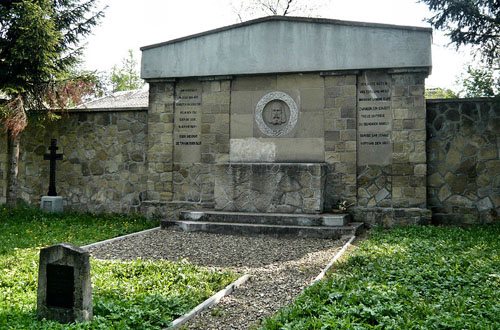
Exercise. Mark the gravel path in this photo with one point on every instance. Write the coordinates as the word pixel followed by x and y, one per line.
pixel 281 268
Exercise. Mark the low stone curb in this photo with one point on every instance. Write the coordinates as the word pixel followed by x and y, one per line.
pixel 87 247
pixel 334 260
pixel 209 302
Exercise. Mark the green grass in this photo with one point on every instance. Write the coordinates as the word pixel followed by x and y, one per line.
pixel 407 278
pixel 142 294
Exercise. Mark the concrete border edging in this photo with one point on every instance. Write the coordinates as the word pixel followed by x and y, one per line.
pixel 334 260
pixel 209 302
pixel 87 247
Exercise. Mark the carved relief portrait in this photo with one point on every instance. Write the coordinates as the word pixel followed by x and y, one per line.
pixel 276 114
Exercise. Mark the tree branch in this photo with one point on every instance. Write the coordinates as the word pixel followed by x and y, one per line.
pixel 287 7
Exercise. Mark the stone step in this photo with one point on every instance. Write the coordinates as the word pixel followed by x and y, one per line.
pixel 292 219
pixel 264 230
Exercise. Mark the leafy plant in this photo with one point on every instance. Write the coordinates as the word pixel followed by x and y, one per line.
pixel 440 93
pixel 126 77
pixel 407 278
pixel 141 294
pixel 479 82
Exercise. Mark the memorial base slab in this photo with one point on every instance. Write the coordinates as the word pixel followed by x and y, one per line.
pixel 270 187
pixel 51 204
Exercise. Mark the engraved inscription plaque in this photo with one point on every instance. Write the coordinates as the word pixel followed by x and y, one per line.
pixel 374 119
pixel 187 129
pixel 60 286
pixel 276 114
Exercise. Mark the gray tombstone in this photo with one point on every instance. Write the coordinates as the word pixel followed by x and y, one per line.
pixel 64 289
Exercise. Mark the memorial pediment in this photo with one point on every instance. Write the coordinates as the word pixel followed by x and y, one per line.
pixel 278 44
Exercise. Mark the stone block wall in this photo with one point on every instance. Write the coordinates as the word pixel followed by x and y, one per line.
pixel 160 145
pixel 194 181
pixel 463 147
pixel 409 140
pixel 216 99
pixel 391 182
pixel 189 135
pixel 340 138
pixel 104 167
pixel 400 183
pixel 303 141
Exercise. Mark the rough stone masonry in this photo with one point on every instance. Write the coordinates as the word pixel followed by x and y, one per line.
pixel 268 97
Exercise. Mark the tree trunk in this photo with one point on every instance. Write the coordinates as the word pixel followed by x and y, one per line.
pixel 13 168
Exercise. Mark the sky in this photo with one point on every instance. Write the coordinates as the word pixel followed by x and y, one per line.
pixel 131 24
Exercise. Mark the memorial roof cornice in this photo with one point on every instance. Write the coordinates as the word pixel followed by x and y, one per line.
pixel 289 19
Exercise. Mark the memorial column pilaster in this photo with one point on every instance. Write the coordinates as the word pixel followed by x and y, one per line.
pixel 160 140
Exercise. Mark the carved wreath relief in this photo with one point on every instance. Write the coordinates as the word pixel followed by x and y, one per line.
pixel 276 114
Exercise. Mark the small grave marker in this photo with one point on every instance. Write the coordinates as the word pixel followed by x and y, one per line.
pixel 64 288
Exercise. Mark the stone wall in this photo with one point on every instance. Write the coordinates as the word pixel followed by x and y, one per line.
pixel 193 173
pixel 463 146
pixel 104 166
pixel 409 140
pixel 197 124
pixel 160 148
pixel 391 165
pixel 340 138
pixel 189 120
pixel 166 158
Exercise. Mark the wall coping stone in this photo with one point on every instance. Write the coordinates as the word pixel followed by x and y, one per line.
pixel 106 110
pixel 271 164
pixel 464 99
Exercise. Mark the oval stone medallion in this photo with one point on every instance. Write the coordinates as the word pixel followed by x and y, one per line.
pixel 276 114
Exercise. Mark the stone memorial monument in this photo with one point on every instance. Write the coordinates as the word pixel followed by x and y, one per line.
pixel 52 202
pixel 64 288
pixel 290 115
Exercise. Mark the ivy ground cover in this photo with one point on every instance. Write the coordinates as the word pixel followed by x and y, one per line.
pixel 142 294
pixel 407 278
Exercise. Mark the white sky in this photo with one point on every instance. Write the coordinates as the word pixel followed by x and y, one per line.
pixel 131 24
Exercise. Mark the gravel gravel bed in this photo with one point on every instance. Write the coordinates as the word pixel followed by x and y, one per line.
pixel 280 267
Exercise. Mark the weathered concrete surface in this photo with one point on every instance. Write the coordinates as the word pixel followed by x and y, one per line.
pixel 324 219
pixel 329 232
pixel 264 46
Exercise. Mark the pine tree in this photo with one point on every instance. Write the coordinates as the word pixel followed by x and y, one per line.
pixel 469 22
pixel 39 45
pixel 126 77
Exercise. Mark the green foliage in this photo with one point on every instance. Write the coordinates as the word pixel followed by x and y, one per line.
pixel 39 41
pixel 479 82
pixel 469 22
pixel 39 44
pixel 24 227
pixel 127 295
pixel 440 93
pixel 29 44
pixel 407 278
pixel 126 77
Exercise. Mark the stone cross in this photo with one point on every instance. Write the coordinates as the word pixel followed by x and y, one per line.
pixel 52 156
